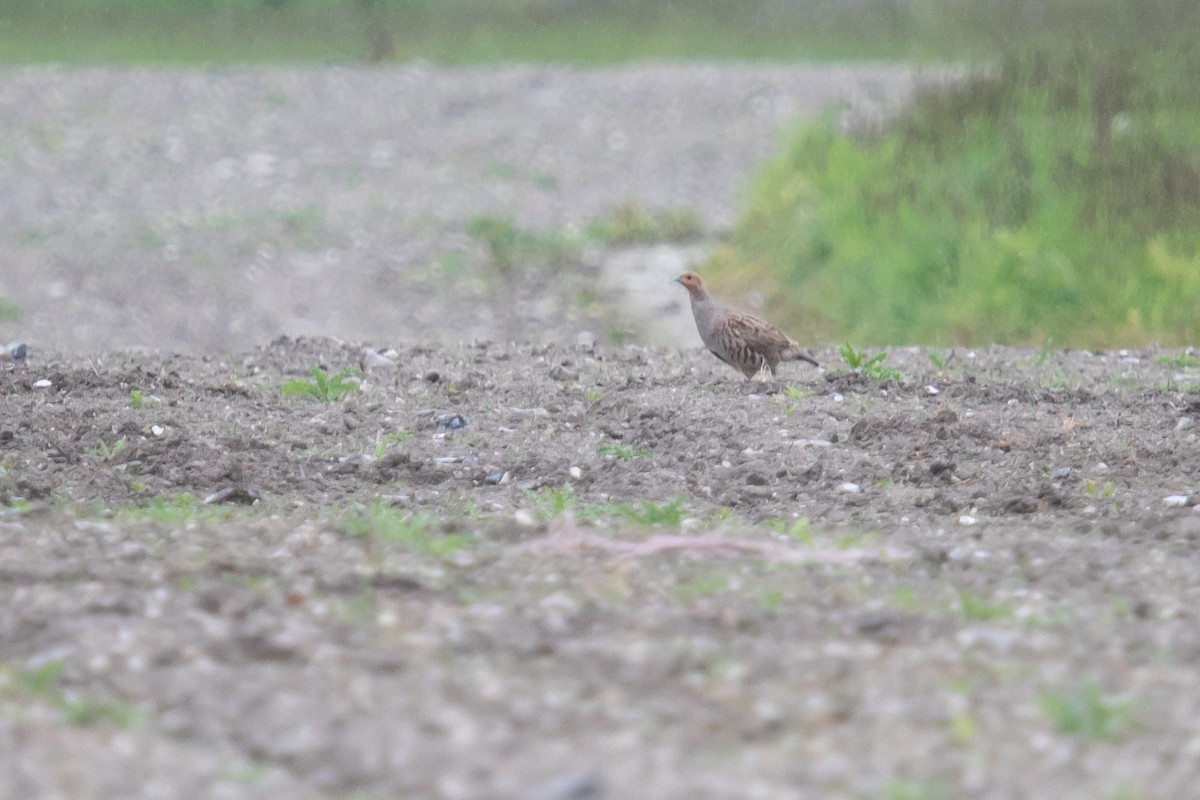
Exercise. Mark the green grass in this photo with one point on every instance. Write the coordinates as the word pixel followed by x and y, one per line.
pixel 622 450
pixel 1053 193
pixel 416 530
pixel 10 310
pixel 330 388
pixel 44 682
pixel 1085 711
pixel 980 609
pixel 511 248
pixel 871 366
pixel 1183 360
pixel 553 502
pixel 445 31
pixel 647 512
pixel 173 509
pixel 550 502
pixel 399 435
pixel 631 224
pixel 106 451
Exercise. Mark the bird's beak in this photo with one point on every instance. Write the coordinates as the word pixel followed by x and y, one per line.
pixel 678 279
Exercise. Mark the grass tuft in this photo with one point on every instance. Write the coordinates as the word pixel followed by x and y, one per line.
pixel 1087 712
pixel 330 388
pixel 871 366
pixel 416 530
pixel 630 224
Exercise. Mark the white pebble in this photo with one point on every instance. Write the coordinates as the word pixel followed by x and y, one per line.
pixel 157 430
pixel 43 383
pixel 931 389
pixel 576 472
pixel 852 488
pixel 1184 423
pixel 967 519
pixel 1175 500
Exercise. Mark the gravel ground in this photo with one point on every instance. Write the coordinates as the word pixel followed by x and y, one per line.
pixel 522 564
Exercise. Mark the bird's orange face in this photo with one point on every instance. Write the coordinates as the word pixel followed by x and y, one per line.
pixel 690 280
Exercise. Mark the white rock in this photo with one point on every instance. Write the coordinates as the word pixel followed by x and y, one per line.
pixel 851 488
pixel 524 517
pixel 157 430
pixel 967 519
pixel 931 389
pixel 372 361
pixel 1184 423
pixel 576 472
pixel 43 383
pixel 1175 500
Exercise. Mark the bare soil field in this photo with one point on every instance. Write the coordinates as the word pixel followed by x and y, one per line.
pixel 527 562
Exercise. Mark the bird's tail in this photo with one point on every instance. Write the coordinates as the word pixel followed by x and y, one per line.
pixel 796 353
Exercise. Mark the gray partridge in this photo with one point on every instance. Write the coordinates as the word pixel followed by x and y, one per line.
pixel 744 342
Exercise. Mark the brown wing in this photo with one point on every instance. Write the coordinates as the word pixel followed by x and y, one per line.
pixel 751 343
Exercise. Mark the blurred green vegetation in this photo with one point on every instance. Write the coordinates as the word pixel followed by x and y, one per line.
pixel 1054 193
pixel 447 31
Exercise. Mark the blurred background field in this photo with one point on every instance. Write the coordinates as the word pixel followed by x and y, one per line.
pixel 1051 194
pixel 455 31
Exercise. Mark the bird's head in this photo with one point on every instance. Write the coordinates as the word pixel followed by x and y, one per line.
pixel 690 281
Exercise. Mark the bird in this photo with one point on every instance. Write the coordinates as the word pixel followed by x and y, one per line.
pixel 744 342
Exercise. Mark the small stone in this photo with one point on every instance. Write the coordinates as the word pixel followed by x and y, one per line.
pixel 1184 423
pixel 569 787
pixel 524 517
pixel 1176 500
pixel 372 361
pixel 931 389
pixel 967 519
pixel 848 487
pixel 575 472
pixel 42 383
pixel 14 351
pixel 157 430
pixel 561 372
pixel 1061 472
pixel 452 422
pixel 242 495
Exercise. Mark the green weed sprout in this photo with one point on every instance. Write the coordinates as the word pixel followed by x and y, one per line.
pixel 330 388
